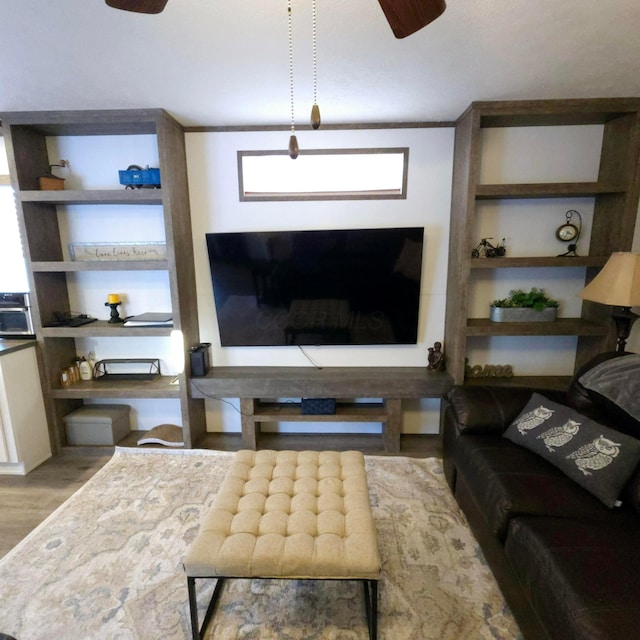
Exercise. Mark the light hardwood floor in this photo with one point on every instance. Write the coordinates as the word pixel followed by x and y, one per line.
pixel 25 501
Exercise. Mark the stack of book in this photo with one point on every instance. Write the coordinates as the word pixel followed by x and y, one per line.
pixel 151 319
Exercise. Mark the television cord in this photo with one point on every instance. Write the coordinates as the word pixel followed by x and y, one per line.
pixel 309 358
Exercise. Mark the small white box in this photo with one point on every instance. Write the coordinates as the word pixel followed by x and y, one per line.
pixel 98 424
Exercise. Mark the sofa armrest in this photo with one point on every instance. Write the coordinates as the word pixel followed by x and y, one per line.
pixel 488 409
pixel 481 410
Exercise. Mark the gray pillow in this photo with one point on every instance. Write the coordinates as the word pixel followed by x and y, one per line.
pixel 618 380
pixel 598 458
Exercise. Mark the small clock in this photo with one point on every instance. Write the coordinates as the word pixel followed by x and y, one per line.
pixel 567 232
pixel 570 232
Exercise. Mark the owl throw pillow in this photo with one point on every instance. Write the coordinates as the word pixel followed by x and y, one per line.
pixel 598 458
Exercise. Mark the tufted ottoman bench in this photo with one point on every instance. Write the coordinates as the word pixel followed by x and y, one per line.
pixel 292 515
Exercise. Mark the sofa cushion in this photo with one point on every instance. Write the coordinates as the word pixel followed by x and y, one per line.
pixel 614 386
pixel 577 396
pixel 598 458
pixel 506 480
pixel 582 578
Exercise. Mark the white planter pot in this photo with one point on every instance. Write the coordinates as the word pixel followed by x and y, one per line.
pixel 516 314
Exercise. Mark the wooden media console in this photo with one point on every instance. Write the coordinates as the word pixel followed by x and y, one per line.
pixel 258 387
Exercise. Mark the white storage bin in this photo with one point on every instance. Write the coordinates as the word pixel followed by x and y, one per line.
pixel 98 424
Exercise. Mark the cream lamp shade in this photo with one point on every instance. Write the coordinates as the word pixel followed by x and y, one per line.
pixel 618 284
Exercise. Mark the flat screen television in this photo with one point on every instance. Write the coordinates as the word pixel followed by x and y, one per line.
pixel 326 287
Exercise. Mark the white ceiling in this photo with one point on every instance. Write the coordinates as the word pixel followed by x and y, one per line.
pixel 225 62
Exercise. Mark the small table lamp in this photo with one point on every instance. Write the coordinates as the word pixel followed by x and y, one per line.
pixel 618 284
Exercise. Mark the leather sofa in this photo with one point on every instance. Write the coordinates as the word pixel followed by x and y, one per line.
pixel 568 565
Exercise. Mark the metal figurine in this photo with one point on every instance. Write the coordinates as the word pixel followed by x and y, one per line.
pixel 486 250
pixel 436 357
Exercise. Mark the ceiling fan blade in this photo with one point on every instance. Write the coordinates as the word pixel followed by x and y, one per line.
pixel 408 16
pixel 138 6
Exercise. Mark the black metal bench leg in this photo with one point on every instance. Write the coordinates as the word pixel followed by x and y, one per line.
pixel 197 632
pixel 371 606
pixel 193 608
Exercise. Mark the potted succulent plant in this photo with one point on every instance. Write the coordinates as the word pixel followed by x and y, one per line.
pixel 524 306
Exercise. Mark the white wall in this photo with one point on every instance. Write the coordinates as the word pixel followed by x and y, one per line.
pixel 215 207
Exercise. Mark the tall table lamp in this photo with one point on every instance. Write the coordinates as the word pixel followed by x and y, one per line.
pixel 618 285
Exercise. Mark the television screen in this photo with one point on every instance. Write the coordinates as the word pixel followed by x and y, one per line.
pixel 338 287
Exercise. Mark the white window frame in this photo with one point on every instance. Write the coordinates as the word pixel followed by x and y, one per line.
pixel 300 173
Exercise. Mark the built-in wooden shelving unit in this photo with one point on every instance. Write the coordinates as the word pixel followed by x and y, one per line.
pixel 25 134
pixel 615 193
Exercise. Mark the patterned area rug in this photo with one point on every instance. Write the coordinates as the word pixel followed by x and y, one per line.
pixel 107 563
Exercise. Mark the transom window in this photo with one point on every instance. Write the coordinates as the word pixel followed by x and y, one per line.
pixel 323 174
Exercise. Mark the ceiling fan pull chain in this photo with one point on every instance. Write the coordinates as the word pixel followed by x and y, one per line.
pixel 315 109
pixel 293 141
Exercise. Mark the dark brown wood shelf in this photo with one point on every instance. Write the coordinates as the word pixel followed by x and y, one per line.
pixel 388 412
pixel 334 382
pixel 102 328
pixel 555 383
pixel 545 190
pixel 95 122
pixel 64 266
pixel 539 261
pixel 549 113
pixel 161 387
pixel 94 196
pixel 345 412
pixel 559 327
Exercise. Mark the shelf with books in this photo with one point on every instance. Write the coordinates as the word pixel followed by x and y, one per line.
pixel 48 221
